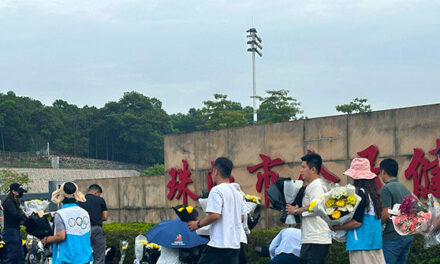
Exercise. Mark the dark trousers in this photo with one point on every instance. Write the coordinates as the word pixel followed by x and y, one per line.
pixel 242 256
pixel 98 244
pixel 211 255
pixel 285 258
pixel 314 253
pixel 13 246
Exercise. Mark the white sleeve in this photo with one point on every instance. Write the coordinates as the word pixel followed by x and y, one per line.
pixel 215 202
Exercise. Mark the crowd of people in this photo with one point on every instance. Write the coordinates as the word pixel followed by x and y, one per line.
pixel 78 236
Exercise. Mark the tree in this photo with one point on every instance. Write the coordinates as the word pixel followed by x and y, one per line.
pixel 7 177
pixel 277 107
pixel 223 113
pixel 185 123
pixel 358 105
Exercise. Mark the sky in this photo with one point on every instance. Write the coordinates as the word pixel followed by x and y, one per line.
pixel 325 52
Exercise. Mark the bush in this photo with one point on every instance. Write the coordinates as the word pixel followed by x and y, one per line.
pixel 155 170
pixel 116 232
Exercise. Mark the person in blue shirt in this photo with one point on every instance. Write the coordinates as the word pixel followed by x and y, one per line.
pixel 71 239
pixel 364 231
pixel 286 246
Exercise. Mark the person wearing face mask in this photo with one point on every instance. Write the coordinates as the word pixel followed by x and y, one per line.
pixel 13 218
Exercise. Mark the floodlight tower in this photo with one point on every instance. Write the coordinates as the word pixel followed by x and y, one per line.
pixel 254 46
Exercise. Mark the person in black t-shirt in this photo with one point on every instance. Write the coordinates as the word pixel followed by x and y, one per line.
pixel 13 217
pixel 97 209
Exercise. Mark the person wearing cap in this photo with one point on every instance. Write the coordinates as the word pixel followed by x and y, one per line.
pixel 13 218
pixel 364 230
pixel 71 239
pixel 315 233
pixel 395 247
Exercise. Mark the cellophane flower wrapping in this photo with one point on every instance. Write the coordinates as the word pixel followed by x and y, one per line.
pixel 411 217
pixel 250 203
pixel 339 205
pixel 432 236
pixel 291 190
pixel 35 206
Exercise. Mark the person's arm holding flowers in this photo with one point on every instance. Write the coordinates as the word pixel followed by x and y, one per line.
pixel 356 221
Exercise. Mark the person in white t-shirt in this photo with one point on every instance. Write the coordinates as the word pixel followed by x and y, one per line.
pixel 225 214
pixel 315 233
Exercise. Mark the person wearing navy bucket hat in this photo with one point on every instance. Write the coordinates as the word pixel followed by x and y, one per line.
pixel 364 231
pixel 13 217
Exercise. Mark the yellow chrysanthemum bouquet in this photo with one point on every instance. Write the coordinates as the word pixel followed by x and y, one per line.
pixel 339 204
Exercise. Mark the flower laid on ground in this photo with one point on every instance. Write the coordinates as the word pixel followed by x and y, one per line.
pixel 410 218
pixel 150 245
pixel 252 198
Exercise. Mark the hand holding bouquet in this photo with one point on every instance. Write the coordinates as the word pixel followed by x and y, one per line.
pixel 410 217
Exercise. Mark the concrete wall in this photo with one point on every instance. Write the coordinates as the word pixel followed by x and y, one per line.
pixel 41 177
pixel 337 139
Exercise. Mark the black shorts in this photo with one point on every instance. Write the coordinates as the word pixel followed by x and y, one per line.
pixel 211 255
pixel 314 253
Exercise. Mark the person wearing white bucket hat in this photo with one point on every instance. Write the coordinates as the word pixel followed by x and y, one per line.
pixel 364 231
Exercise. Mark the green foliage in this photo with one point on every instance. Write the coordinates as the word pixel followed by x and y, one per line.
pixel 156 169
pixel 358 105
pixel 116 232
pixel 7 177
pixel 190 122
pixel 130 130
pixel 223 113
pixel 278 107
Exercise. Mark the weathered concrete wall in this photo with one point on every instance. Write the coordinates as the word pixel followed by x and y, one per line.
pixel 133 199
pixel 337 139
pixel 41 177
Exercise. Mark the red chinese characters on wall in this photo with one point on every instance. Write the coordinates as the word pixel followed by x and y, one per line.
pixel 209 179
pixel 178 183
pixel 422 170
pixel 268 177
pixel 371 153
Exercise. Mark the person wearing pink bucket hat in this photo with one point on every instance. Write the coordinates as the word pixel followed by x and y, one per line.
pixel 360 169
pixel 364 231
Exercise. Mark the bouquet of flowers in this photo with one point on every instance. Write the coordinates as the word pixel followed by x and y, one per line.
pixel 37 223
pixel 432 236
pixel 339 205
pixel 145 251
pixel 410 217
pixel 251 202
pixel 186 212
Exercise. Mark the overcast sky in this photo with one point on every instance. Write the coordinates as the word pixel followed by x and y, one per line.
pixel 326 52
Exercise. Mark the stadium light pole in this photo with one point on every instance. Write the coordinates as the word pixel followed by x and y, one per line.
pixel 254 46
